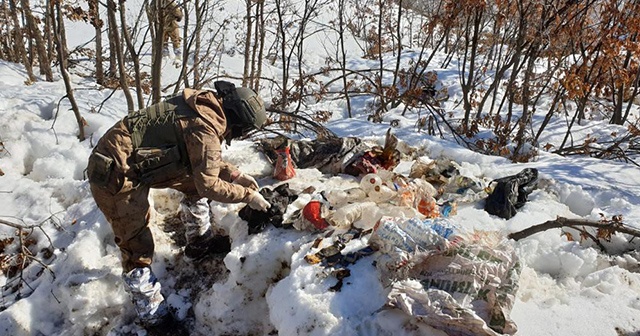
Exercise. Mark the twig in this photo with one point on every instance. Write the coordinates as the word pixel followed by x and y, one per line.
pixel 296 119
pixel 55 118
pixel 18 226
pixel 612 226
pixel 23 259
pixel 596 240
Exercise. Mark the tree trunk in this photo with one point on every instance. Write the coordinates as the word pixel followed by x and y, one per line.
pixel 113 57
pixel 198 42
pixel 96 22
pixel 48 31
pixel 115 39
pixel 399 37
pixel 469 86
pixel 256 46
pixel 343 60
pixel 5 32
pixel 156 20
pixel 247 44
pixel 261 35
pixel 526 111
pixel 133 53
pixel 20 50
pixel 380 89
pixel 283 46
pixel 43 60
pixel 59 38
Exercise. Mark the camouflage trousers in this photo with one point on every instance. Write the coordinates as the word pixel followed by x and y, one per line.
pixel 174 36
pixel 126 207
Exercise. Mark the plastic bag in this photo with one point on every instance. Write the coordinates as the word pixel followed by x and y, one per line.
pixel 284 165
pixel 511 193
pixel 467 289
pixel 348 214
pixel 394 234
pixel 313 212
pixel 338 197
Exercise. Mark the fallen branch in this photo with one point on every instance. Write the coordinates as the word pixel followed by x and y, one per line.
pixel 14 264
pixel 605 227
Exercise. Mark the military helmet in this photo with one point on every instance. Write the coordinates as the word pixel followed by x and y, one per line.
pixel 242 106
pixel 252 105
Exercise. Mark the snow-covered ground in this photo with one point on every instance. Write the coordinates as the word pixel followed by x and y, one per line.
pixel 264 285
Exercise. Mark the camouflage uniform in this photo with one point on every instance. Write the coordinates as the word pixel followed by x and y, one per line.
pixel 124 197
pixel 173 144
pixel 172 14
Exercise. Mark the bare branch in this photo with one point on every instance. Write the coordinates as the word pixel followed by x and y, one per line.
pixel 610 225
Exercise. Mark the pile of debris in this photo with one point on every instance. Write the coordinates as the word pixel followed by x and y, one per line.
pixel 450 277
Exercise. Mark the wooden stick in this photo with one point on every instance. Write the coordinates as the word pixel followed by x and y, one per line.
pixel 614 226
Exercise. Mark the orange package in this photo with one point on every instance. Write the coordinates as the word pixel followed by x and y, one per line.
pixel 284 166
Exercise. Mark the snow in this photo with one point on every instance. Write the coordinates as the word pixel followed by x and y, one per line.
pixel 264 285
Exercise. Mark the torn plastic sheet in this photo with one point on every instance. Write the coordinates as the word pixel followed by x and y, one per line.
pixel 437 309
pixel 468 289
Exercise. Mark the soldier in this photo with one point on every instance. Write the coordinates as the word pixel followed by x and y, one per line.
pixel 172 14
pixel 173 144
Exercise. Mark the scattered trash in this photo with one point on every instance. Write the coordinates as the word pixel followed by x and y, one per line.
pixel 352 257
pixel 444 175
pixel 448 209
pixel 313 212
pixel 329 155
pixel 400 235
pixel 428 207
pixel 284 164
pixel 279 197
pixel 465 289
pixel 334 155
pixel 338 197
pixel 437 172
pixel 376 158
pixel 340 274
pixel 332 254
pixel 348 214
pixel 375 189
pixel 511 193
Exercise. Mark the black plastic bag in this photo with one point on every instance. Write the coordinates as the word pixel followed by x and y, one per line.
pixel 511 193
pixel 279 197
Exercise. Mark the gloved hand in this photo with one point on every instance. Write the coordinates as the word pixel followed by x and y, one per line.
pixel 246 181
pixel 256 201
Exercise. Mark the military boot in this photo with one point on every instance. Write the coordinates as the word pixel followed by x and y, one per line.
pixel 144 288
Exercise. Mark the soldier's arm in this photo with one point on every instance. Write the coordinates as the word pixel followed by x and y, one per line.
pixel 208 169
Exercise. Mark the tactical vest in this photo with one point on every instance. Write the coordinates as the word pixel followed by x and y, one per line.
pixel 159 151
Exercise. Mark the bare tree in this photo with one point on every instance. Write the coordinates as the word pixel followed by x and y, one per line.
pixel 117 51
pixel 60 41
pixel 282 37
pixel 132 53
pixel 96 22
pixel 155 13
pixel 34 32
pixel 258 47
pixel 343 53
pixel 19 42
pixel 247 42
